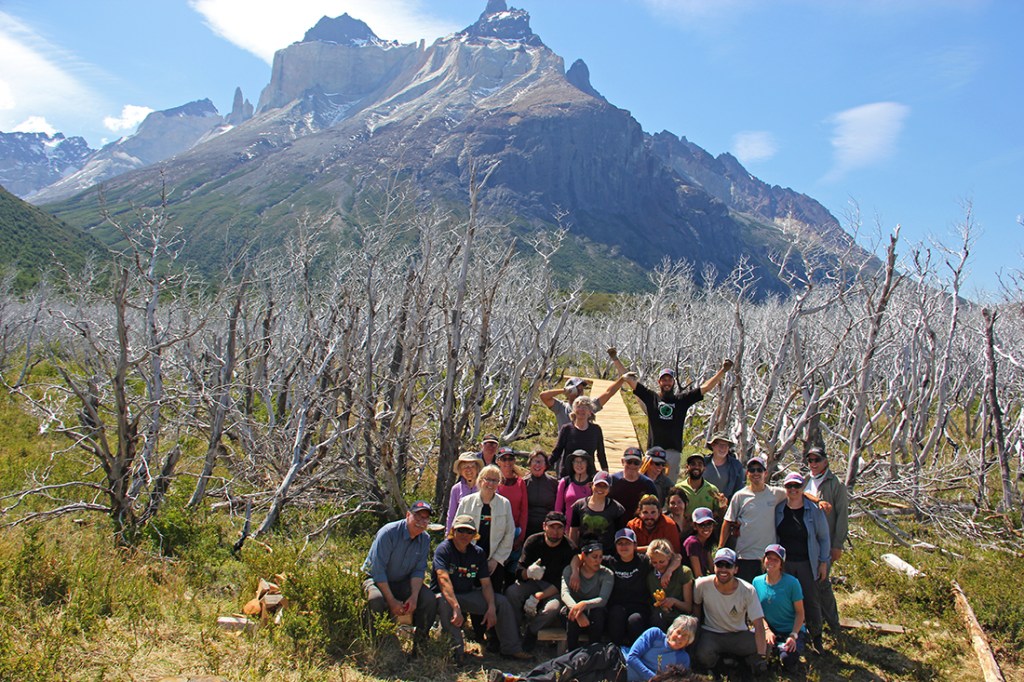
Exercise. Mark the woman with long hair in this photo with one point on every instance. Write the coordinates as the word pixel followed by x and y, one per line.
pixel 541 492
pixel 575 486
pixel 581 433
pixel 466 467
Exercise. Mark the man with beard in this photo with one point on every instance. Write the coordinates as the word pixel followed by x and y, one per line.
pixel 666 410
pixel 700 493
pixel 729 606
pixel 650 524
pixel 544 558
pixel 629 485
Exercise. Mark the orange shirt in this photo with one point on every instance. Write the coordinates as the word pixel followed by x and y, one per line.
pixel 664 528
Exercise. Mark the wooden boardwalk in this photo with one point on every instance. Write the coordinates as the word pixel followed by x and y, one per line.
pixel 614 421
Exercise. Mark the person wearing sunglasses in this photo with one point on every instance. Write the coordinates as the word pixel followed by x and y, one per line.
pixel 728 604
pixel 803 532
pixel 463 581
pixel 750 519
pixel 827 486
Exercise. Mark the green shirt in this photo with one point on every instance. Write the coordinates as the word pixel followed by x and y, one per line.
pixel 702 497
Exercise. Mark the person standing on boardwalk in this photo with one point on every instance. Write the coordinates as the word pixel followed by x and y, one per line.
pixel 666 409
pixel 573 389
pixel 629 485
pixel 396 564
pixel 579 434
pixel 824 483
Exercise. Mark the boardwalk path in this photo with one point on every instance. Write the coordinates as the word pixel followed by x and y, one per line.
pixel 614 421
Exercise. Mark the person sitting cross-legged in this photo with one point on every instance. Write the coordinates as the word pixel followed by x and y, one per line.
pixel 462 577
pixel 730 606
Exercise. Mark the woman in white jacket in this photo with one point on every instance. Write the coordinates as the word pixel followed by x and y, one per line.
pixel 494 522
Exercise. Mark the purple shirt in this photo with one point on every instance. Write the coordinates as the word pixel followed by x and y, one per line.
pixel 459 490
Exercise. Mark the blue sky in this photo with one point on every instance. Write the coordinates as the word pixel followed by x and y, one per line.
pixel 907 107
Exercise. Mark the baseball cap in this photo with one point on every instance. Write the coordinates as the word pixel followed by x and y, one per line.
pixel 816 450
pixel 505 452
pixel 464 521
pixel 421 505
pixel 695 455
pixel 667 370
pixel 702 515
pixel 554 517
pixel 633 453
pixel 657 455
pixel 793 477
pixel 489 438
pixel 603 477
pixel 756 460
pixel 776 549
pixel 725 554
pixel 575 382
pixel 626 533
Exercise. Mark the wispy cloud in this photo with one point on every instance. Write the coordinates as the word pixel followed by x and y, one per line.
pixel 750 146
pixel 131 116
pixel 43 84
pixel 865 135
pixel 264 26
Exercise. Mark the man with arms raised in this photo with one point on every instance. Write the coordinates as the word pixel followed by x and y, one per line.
pixel 544 558
pixel 396 564
pixel 666 410
pixel 574 388
pixel 730 606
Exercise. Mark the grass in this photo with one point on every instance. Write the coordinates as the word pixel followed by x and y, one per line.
pixel 76 607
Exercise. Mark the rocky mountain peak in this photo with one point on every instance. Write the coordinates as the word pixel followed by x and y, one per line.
pixel 343 30
pixel 579 75
pixel 501 22
pixel 241 109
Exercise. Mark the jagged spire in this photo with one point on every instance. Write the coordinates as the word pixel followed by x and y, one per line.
pixel 498 21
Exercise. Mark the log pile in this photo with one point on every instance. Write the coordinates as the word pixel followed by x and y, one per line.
pixel 268 603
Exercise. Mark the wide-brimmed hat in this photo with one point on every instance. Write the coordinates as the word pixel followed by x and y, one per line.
pixel 719 435
pixel 464 458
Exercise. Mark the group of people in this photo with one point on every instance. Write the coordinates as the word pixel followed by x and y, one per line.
pixel 650 566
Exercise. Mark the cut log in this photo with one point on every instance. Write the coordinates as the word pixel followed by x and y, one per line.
pixel 237 624
pixel 273 601
pixel 253 607
pixel 888 628
pixel 989 666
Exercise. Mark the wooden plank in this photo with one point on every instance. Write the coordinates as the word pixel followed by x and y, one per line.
pixel 237 624
pixel 615 424
pixel 989 666
pixel 888 628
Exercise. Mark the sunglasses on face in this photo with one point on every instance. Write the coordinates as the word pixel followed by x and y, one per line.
pixel 723 564
pixel 793 486
pixel 755 470
pixel 706 524
pixel 815 460
pixel 465 531
pixel 492 481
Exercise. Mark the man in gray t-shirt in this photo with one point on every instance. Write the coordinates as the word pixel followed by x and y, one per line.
pixel 729 606
pixel 752 511
pixel 574 388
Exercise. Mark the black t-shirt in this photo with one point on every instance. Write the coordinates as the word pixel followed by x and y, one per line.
pixel 599 525
pixel 464 568
pixel 541 492
pixel 630 579
pixel 665 416
pixel 571 439
pixel 793 534
pixel 484 531
pixel 628 493
pixel 553 559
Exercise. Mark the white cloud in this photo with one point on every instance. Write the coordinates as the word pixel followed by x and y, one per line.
pixel 865 135
pixel 754 145
pixel 43 82
pixel 35 124
pixel 265 26
pixel 131 116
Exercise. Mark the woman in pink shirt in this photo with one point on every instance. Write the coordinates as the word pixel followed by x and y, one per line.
pixel 576 485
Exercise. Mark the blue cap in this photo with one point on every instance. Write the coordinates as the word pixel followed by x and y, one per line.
pixel 626 533
pixel 727 555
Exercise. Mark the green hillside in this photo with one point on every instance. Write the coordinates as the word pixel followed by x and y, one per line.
pixel 33 242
